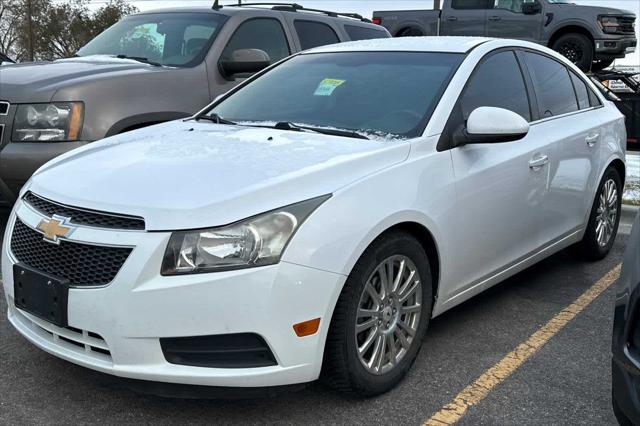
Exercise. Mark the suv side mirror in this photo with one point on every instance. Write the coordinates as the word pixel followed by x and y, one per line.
pixel 531 8
pixel 492 125
pixel 244 61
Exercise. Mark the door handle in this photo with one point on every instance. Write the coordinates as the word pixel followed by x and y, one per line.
pixel 452 18
pixel 592 139
pixel 537 163
pixel 495 18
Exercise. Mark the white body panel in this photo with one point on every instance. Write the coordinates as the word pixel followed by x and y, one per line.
pixel 490 215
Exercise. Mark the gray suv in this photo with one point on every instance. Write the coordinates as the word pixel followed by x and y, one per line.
pixel 149 68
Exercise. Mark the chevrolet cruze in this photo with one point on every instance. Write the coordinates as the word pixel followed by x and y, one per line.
pixel 309 223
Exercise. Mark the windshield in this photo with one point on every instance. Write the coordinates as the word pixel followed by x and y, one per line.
pixel 376 93
pixel 172 39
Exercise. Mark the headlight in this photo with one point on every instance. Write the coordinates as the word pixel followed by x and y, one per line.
pixel 609 24
pixel 61 121
pixel 257 241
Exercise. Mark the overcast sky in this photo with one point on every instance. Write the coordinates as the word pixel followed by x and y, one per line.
pixel 366 8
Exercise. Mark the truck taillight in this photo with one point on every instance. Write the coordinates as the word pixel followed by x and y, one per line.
pixel 377 21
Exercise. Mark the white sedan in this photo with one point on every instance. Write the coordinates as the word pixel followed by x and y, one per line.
pixel 311 222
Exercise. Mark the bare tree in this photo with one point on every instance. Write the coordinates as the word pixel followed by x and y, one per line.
pixel 9 23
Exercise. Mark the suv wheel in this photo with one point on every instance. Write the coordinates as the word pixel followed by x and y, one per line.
pixel 605 217
pixel 381 317
pixel 577 48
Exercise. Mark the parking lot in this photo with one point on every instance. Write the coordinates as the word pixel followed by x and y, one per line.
pixel 567 381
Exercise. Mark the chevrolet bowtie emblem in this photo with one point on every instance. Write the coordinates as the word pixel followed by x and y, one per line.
pixel 55 228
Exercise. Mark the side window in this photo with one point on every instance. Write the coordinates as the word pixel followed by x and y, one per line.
pixel 261 33
pixel 552 84
pixel 313 34
pixel 364 33
pixel 470 4
pixel 582 92
pixel 511 5
pixel 497 82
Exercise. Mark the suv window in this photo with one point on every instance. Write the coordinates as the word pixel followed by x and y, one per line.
pixel 497 82
pixel 259 33
pixel 362 33
pixel 582 92
pixel 552 84
pixel 470 4
pixel 313 34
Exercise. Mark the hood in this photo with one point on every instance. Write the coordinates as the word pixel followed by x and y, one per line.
pixel 595 10
pixel 186 175
pixel 39 81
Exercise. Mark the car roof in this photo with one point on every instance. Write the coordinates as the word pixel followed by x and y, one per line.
pixel 407 44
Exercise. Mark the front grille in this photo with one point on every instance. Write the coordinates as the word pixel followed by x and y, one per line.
pixel 81 264
pixel 626 25
pixel 84 217
pixel 4 108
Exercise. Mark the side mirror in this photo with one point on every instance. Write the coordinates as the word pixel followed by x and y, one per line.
pixel 531 8
pixel 245 62
pixel 492 125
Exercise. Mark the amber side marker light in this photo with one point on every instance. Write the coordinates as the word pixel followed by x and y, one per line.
pixel 75 122
pixel 307 328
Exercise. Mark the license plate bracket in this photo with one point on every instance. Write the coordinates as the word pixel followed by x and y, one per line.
pixel 40 294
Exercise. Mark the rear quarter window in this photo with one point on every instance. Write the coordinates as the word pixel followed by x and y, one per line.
pixel 313 34
pixel 356 32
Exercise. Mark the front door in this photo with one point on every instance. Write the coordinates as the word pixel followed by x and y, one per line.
pixel 506 20
pixel 498 191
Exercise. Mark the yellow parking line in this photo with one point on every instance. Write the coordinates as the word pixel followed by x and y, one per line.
pixel 478 390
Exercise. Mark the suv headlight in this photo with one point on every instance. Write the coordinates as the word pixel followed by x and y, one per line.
pixel 59 122
pixel 257 241
pixel 609 24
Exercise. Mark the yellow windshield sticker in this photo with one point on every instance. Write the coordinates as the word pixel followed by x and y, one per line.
pixel 327 86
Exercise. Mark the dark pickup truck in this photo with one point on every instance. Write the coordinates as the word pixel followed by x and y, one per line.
pixel 592 37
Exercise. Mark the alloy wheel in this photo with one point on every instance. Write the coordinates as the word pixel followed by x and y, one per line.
pixel 571 51
pixel 388 314
pixel 607 212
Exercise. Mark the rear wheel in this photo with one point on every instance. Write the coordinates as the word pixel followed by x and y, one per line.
pixel 605 217
pixel 576 47
pixel 380 318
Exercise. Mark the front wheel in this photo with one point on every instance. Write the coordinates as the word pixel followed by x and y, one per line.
pixel 576 47
pixel 605 217
pixel 381 317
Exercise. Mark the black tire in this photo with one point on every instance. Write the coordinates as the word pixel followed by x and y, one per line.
pixel 342 368
pixel 589 246
pixel 577 47
pixel 600 64
pixel 411 32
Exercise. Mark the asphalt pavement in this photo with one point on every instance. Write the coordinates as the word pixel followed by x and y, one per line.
pixel 566 382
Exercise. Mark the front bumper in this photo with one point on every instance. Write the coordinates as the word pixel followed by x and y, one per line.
pixel 615 48
pixel 116 329
pixel 19 160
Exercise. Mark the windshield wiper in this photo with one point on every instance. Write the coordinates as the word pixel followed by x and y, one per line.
pixel 214 118
pixel 139 59
pixel 285 125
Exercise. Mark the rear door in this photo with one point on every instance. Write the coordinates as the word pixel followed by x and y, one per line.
pixel 464 18
pixel 506 20
pixel 573 131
